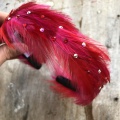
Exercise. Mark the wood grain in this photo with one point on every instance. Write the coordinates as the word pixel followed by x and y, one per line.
pixel 25 93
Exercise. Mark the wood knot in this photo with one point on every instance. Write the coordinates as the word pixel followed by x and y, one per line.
pixel 116 99
pixel 118 16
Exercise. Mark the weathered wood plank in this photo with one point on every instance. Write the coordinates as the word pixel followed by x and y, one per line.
pixel 24 93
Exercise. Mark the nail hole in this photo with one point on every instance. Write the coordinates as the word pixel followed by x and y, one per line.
pixel 118 16
pixel 116 99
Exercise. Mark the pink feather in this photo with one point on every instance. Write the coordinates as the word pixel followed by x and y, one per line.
pixel 79 64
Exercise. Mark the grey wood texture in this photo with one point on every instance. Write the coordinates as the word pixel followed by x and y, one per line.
pixel 25 92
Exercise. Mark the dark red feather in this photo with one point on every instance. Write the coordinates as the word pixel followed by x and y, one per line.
pixel 79 64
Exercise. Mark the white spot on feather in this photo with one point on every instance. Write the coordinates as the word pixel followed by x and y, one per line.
pixel 28 12
pixel 84 44
pixel 9 18
pixel 99 71
pixel 42 29
pixel 61 27
pixel 75 55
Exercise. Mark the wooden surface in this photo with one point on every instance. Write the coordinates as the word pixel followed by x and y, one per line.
pixel 25 93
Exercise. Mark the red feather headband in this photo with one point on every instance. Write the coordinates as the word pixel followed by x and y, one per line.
pixel 78 64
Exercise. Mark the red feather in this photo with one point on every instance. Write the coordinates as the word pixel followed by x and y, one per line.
pixel 79 64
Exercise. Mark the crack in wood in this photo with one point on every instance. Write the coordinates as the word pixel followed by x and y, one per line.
pixel 25 117
pixel 88 112
pixel 108 44
pixel 81 2
pixel 119 39
pixel 80 22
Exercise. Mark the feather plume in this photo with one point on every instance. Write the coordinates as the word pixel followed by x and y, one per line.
pixel 79 64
